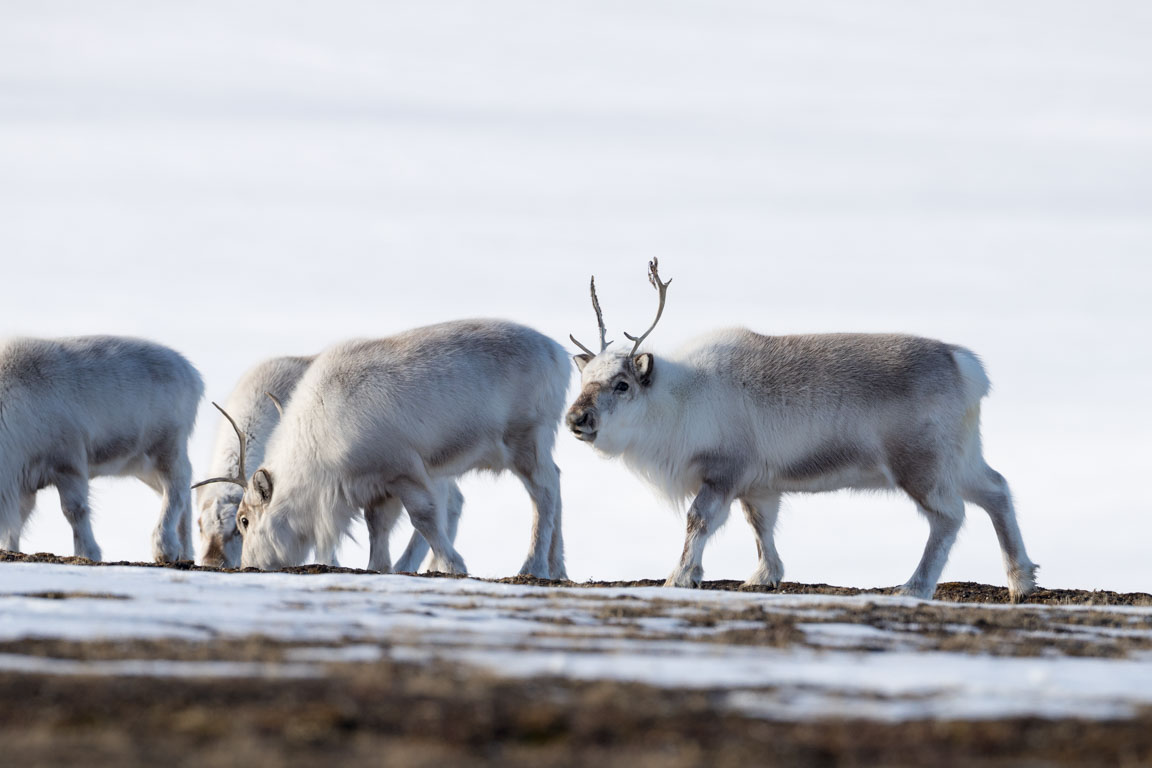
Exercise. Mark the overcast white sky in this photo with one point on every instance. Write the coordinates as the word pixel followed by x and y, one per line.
pixel 240 180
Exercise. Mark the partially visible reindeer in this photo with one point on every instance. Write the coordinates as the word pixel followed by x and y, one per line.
pixel 251 414
pixel 376 424
pixel 75 409
pixel 740 416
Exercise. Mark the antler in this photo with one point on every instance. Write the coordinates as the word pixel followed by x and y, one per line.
pixel 654 278
pixel 242 478
pixel 276 402
pixel 599 321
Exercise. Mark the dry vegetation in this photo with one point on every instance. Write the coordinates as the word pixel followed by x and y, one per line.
pixel 389 712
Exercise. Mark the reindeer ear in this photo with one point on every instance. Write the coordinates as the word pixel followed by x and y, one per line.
pixel 262 482
pixel 581 361
pixel 644 363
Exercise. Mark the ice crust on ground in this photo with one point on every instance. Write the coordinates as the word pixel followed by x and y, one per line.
pixel 581 634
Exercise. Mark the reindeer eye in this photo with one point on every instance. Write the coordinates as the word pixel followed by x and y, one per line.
pixel 242 522
pixel 621 386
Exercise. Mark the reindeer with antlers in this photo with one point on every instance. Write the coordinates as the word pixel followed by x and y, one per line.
pixel 255 403
pixel 386 424
pixel 741 416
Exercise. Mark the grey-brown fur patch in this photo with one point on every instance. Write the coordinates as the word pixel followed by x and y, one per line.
pixel 696 524
pixel 113 448
pixel 522 442
pixel 915 467
pixel 844 367
pixel 719 469
pixel 455 448
pixel 826 460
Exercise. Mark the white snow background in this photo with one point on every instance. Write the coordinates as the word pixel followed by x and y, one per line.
pixel 241 180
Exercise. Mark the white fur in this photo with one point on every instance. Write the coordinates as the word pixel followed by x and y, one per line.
pixel 255 414
pixel 377 422
pixel 74 409
pixel 740 416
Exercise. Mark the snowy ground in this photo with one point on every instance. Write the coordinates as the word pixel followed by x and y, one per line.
pixel 776 657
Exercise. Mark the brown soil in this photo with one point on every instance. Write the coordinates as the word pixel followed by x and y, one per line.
pixel 389 713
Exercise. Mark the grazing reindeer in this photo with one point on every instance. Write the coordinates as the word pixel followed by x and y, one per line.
pixel 252 413
pixel 376 424
pixel 741 416
pixel 74 409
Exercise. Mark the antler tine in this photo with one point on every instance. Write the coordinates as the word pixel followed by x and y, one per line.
pixel 662 287
pixel 232 480
pixel 577 343
pixel 599 322
pixel 276 402
pixel 242 476
pixel 599 315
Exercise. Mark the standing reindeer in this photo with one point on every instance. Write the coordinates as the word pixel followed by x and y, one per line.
pixel 75 409
pixel 741 416
pixel 376 424
pixel 252 413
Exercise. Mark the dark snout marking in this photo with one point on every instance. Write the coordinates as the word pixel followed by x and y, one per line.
pixel 828 459
pixel 587 398
pixel 214 555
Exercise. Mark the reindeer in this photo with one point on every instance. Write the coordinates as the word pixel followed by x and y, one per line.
pixel 253 405
pixel 75 409
pixel 257 404
pixel 376 424
pixel 737 415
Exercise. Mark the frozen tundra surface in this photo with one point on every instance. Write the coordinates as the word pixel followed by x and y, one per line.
pixel 777 657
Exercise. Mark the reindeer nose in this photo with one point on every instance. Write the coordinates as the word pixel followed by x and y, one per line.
pixel 583 420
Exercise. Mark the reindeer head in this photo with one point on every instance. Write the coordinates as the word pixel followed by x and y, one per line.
pixel 220 542
pixel 233 530
pixel 614 383
pixel 267 545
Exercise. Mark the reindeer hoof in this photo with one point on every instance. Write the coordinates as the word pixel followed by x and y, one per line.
pixel 765 577
pixel 685 580
pixel 1021 582
pixel 911 590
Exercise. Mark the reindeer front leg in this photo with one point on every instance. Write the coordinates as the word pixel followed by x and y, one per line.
pixel 708 512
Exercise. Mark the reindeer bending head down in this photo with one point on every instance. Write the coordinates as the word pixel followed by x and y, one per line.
pixel 739 416
pixel 386 424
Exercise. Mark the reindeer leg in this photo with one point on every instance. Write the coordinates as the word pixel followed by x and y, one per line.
pixel 380 517
pixel 761 512
pixel 421 501
pixel 173 475
pixel 543 485
pixel 945 514
pixel 73 488
pixel 990 491
pixel 708 512
pixel 12 524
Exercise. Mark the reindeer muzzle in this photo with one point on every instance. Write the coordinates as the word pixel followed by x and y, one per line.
pixel 582 422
